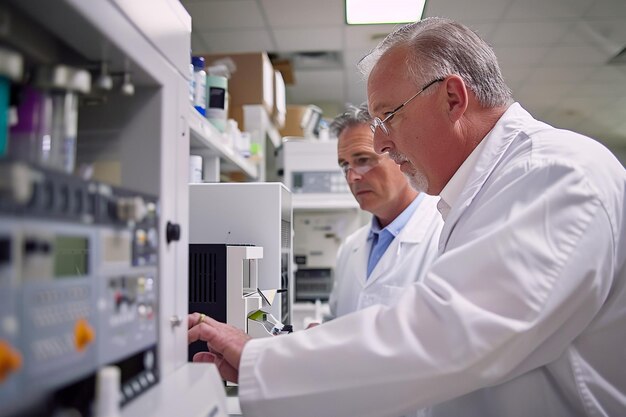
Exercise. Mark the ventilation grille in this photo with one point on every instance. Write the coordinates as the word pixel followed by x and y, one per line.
pixel 311 60
pixel 285 234
pixel 202 277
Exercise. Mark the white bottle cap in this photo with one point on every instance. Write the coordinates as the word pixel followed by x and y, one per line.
pixel 108 392
pixel 195 169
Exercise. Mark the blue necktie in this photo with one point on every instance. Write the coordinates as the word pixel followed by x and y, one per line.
pixel 380 243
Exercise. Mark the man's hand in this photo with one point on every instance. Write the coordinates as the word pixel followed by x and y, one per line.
pixel 225 344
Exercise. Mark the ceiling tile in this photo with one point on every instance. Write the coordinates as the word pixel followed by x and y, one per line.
pixel 552 53
pixel 514 76
pixel 560 75
pixel 572 111
pixel 588 89
pixel 304 13
pixel 607 8
pixel 539 109
pixel 484 30
pixel 519 56
pixel 314 39
pixel 365 36
pixel 608 33
pixel 323 85
pixel 582 34
pixel 238 41
pixel 547 9
pixel 478 10
pixel 541 33
pixel 608 74
pixel 547 96
pixel 565 56
pixel 224 14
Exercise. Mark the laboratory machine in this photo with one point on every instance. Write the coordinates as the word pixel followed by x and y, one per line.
pixel 223 284
pixel 318 234
pixel 78 286
pixel 249 213
pixel 325 213
pixel 93 213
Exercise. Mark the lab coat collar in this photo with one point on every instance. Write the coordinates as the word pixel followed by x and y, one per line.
pixel 485 158
pixel 413 233
pixel 398 224
pixel 453 189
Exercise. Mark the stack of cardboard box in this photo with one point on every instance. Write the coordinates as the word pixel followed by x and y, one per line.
pixel 255 81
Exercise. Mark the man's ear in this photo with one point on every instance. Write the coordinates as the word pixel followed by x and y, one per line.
pixel 457 97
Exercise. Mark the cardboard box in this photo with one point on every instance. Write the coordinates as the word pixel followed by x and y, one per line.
pixel 286 70
pixel 252 82
pixel 280 101
pixel 292 121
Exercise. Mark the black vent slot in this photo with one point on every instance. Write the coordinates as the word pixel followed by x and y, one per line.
pixel 207 285
pixel 203 277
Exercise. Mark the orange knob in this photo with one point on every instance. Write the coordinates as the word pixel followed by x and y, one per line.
pixel 83 334
pixel 10 360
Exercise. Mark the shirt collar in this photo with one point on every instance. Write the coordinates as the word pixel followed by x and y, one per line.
pixel 396 226
pixel 451 192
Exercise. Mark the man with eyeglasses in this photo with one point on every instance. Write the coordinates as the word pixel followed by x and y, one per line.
pixel 523 311
pixel 376 263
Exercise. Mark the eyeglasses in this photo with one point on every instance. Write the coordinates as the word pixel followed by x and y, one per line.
pixel 361 165
pixel 377 122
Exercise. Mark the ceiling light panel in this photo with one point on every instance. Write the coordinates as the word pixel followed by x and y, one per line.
pixel 367 12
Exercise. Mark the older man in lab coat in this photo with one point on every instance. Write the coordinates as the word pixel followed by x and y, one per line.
pixel 523 311
pixel 377 262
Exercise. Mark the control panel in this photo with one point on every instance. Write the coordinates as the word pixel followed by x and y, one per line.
pixel 78 285
pixel 319 182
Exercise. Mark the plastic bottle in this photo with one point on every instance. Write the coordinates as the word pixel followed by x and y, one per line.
pixel 59 124
pixel 191 81
pixel 195 168
pixel 11 66
pixel 107 399
pixel 192 84
pixel 216 97
pixel 31 125
pixel 199 77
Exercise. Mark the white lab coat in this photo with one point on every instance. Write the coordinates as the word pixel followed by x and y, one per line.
pixel 404 262
pixel 523 313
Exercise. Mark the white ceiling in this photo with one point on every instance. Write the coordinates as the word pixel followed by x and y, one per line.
pixel 553 53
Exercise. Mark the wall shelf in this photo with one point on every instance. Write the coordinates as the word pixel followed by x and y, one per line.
pixel 207 141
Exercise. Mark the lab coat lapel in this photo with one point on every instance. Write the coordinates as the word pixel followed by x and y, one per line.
pixel 413 233
pixel 359 257
pixel 385 262
pixel 498 141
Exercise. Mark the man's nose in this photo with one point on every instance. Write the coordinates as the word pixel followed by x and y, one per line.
pixel 382 143
pixel 353 176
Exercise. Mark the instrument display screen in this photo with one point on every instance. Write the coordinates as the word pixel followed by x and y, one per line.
pixel 71 256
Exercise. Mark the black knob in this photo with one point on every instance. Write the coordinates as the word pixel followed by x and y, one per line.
pixel 5 250
pixel 30 246
pixel 172 232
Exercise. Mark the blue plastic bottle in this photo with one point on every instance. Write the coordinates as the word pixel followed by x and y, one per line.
pixel 199 77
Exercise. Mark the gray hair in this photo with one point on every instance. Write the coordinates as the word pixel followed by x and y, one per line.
pixel 353 116
pixel 439 47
